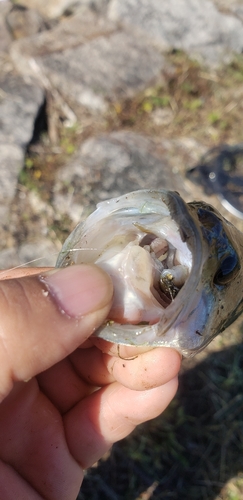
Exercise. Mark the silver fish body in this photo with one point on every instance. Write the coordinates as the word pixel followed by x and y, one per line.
pixel 175 266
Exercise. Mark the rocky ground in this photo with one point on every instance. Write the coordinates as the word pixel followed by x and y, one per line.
pixel 98 98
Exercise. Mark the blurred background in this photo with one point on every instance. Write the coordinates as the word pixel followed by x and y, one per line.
pixel 98 98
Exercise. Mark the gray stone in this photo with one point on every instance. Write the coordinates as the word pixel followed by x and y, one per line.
pixel 55 8
pixel 104 69
pixel 71 32
pixel 5 37
pixel 39 253
pixel 51 9
pixel 111 165
pixel 11 162
pixel 94 5
pixel 238 11
pixel 42 252
pixel 29 54
pixel 162 116
pixel 226 5
pixel 191 25
pixel 9 258
pixel 19 106
pixel 88 62
pixel 24 22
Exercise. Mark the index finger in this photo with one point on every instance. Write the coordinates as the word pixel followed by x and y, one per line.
pixel 47 316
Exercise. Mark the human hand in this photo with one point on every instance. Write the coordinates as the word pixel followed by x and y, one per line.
pixel 53 420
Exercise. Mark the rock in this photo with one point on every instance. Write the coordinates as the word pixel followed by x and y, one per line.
pixel 55 8
pixel 191 25
pixel 5 37
pixel 162 116
pixel 105 69
pixel 88 61
pixel 69 33
pixel 19 106
pixel 40 253
pixel 238 11
pixel 108 166
pixel 24 22
pixel 75 31
pixel 11 163
pixel 9 258
pixel 226 6
pixel 95 5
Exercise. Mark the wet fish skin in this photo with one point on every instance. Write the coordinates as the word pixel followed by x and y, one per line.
pixel 212 296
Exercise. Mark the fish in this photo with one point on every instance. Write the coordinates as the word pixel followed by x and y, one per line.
pixel 176 268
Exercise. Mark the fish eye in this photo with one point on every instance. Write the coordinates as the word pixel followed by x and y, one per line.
pixel 227 270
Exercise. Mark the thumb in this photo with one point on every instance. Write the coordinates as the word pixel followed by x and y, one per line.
pixel 43 318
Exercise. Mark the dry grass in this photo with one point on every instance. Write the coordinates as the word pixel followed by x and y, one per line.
pixel 190 102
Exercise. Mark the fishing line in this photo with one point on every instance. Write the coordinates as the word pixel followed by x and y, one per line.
pixel 3 271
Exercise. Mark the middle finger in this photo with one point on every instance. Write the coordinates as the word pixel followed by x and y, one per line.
pixel 144 371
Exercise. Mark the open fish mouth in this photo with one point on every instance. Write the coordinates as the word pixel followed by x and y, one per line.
pixel 175 268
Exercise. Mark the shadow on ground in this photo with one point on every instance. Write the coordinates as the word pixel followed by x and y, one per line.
pixel 189 452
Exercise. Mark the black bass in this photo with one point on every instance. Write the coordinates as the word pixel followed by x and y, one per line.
pixel 175 266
